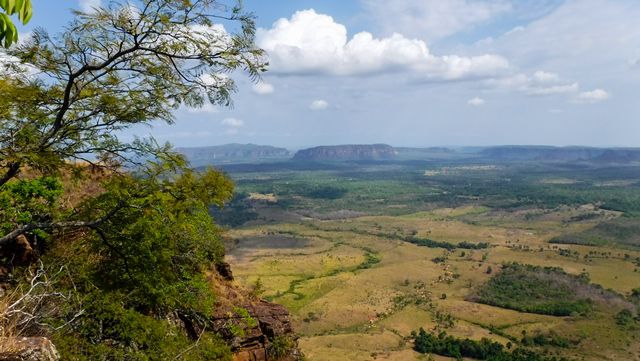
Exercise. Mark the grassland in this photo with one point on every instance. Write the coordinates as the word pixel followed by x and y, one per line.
pixel 332 244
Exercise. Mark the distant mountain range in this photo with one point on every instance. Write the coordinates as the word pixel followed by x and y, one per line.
pixel 346 152
pixel 233 153
pixel 564 154
pixel 252 153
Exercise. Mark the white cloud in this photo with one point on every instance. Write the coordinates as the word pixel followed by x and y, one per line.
pixel 555 89
pixel 476 102
pixel 319 105
pixel 89 6
pixel 545 77
pixel 233 122
pixel 539 83
pixel 262 88
pixel 311 43
pixel 433 19
pixel 592 96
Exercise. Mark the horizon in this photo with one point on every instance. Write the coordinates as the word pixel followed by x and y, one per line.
pixel 449 146
pixel 466 72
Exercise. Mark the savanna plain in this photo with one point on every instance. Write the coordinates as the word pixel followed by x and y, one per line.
pixel 536 256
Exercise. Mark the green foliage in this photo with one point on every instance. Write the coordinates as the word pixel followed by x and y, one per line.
pixel 485 349
pixel 534 289
pixel 136 249
pixel 425 242
pixel 8 31
pixel 621 231
pixel 110 331
pixel 324 192
pixel 371 258
pixel 280 347
pixel 625 318
pixel 160 239
pixel 142 261
pixel 111 69
pixel 28 201
pixel 236 212
pixel 546 339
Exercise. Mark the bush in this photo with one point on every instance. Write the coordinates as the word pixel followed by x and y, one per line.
pixel 526 288
pixel 484 349
pixel 280 347
pixel 425 242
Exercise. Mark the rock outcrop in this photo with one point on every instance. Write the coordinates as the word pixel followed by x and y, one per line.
pixel 257 338
pixel 255 329
pixel 346 152
pixel 27 349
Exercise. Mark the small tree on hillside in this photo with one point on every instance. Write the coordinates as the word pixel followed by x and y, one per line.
pixel 134 250
pixel 111 69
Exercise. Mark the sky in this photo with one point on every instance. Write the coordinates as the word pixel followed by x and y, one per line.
pixel 424 73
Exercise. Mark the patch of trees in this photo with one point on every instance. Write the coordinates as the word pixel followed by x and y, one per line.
pixel 236 212
pixel 543 290
pixel 550 338
pixel 485 349
pixel 426 242
pixel 621 231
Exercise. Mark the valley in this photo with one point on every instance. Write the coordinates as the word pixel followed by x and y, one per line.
pixel 537 255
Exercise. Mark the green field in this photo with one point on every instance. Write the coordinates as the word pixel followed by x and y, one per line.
pixel 364 254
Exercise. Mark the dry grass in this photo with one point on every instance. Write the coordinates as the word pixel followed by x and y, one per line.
pixel 354 316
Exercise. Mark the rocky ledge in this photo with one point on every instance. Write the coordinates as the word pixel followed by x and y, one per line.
pixel 255 329
pixel 27 349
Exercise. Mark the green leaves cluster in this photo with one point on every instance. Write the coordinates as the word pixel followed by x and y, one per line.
pixel 28 201
pixel 113 68
pixel 8 31
pixel 144 261
pixel 136 251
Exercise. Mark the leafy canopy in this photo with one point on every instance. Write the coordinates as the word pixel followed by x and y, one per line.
pixel 126 64
pixel 136 246
pixel 8 31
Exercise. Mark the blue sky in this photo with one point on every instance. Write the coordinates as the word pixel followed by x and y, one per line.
pixel 425 73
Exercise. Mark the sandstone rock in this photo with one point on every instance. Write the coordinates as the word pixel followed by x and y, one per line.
pixel 272 321
pixel 27 349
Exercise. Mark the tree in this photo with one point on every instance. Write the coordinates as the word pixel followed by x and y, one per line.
pixel 8 31
pixel 133 250
pixel 111 69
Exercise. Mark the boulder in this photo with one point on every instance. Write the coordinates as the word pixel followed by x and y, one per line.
pixel 27 349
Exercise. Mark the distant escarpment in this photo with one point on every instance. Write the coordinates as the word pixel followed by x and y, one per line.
pixel 346 152
pixel 562 154
pixel 218 154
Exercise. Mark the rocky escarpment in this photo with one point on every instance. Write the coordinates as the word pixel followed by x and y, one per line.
pixel 255 329
pixel 219 154
pixel 346 152
pixel 268 337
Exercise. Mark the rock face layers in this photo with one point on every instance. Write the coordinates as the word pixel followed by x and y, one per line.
pixel 255 329
pixel 27 349
pixel 259 340
pixel 346 152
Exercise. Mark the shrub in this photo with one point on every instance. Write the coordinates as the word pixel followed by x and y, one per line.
pixel 533 289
